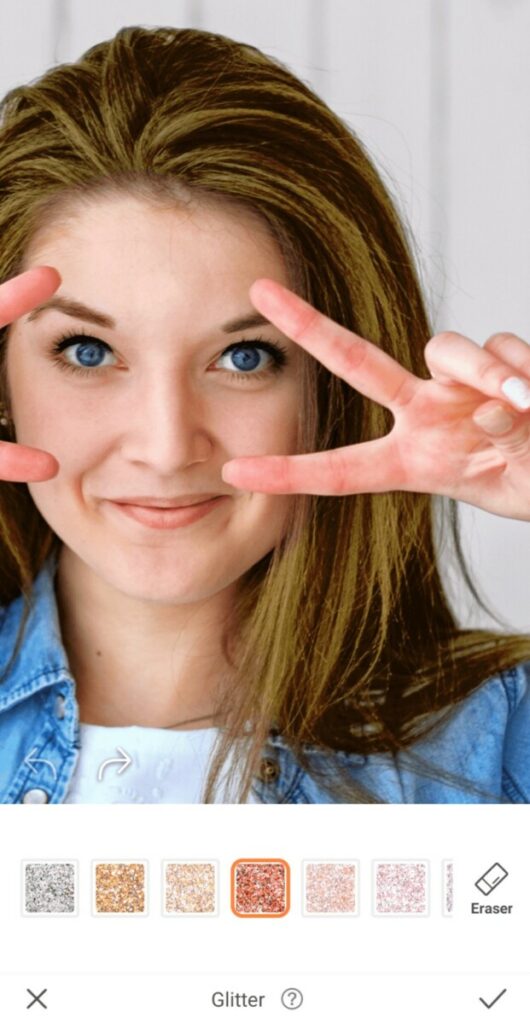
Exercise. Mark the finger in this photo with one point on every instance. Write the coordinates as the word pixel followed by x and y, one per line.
pixel 357 361
pixel 510 349
pixel 509 434
pixel 22 293
pixel 366 468
pixel 461 359
pixel 21 464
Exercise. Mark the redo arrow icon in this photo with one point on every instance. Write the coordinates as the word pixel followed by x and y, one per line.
pixel 124 760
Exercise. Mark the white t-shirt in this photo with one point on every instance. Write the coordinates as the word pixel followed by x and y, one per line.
pixel 136 765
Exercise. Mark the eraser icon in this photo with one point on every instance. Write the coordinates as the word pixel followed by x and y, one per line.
pixel 491 879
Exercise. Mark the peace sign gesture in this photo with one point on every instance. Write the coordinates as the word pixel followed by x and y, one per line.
pixel 440 442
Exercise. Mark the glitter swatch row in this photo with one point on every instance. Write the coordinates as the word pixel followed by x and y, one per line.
pixel 259 887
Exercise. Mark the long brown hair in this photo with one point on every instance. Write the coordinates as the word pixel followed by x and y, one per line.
pixel 342 636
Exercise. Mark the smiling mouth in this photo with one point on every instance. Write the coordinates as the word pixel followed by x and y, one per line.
pixel 180 501
pixel 167 517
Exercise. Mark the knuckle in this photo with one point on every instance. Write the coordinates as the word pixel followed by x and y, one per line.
pixel 404 393
pixel 439 340
pixel 339 468
pixel 497 345
pixel 304 322
pixel 499 337
pixel 488 369
pixel 518 445
pixel 354 350
pixel 282 472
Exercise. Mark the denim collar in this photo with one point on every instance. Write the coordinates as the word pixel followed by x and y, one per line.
pixel 41 660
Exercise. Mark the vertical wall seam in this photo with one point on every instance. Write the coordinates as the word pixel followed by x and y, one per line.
pixel 438 142
pixel 60 30
pixel 193 14
pixel 318 56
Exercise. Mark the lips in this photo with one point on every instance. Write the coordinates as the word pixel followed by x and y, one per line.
pixel 168 517
pixel 180 501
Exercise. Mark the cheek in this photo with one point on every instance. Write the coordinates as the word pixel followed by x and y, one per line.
pixel 47 412
pixel 75 444
pixel 47 418
pixel 268 428
pixel 263 521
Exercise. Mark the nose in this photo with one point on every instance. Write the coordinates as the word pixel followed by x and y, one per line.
pixel 167 426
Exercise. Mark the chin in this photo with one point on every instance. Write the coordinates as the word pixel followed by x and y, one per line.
pixel 165 586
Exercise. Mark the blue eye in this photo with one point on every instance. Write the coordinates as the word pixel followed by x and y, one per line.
pixel 83 354
pixel 247 358
pixel 89 353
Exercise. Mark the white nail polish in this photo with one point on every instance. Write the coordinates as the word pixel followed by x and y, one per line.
pixel 517 391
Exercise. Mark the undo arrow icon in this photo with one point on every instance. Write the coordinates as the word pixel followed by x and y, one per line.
pixel 31 761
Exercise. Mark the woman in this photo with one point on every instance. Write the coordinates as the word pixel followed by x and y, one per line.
pixel 162 198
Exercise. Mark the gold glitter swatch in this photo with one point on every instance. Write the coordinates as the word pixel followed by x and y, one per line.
pixel 120 888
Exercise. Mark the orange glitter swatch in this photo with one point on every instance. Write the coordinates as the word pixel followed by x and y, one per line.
pixel 260 887
pixel 120 888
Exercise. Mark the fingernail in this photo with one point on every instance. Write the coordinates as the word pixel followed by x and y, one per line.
pixel 517 391
pixel 495 421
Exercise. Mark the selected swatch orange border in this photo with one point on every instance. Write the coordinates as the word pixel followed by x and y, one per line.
pixel 260 860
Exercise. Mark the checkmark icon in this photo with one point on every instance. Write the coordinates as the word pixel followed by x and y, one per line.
pixel 489 1005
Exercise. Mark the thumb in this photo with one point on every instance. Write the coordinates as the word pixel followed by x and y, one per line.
pixel 509 433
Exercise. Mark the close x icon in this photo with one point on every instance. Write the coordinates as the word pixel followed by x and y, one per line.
pixel 36 1000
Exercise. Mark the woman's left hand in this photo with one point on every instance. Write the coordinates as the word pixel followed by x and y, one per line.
pixel 447 437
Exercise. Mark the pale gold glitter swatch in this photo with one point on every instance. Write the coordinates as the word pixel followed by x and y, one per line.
pixel 120 888
pixel 190 888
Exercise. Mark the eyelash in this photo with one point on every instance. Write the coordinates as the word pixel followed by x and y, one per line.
pixel 278 353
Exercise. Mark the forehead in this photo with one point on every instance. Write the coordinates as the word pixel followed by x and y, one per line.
pixel 122 251
pixel 125 219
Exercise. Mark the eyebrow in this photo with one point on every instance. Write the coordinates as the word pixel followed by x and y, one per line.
pixel 81 312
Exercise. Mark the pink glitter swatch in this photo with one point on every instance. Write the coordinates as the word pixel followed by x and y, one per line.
pixel 330 887
pixel 260 887
pixel 401 887
pixel 448 887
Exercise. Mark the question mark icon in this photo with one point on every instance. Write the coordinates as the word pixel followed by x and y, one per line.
pixel 292 998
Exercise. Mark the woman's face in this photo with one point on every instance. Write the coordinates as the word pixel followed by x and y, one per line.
pixel 151 395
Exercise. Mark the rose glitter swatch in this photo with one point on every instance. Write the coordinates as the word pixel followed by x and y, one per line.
pixel 260 887
pixel 448 888
pixel 120 888
pixel 190 888
pixel 330 887
pixel 400 887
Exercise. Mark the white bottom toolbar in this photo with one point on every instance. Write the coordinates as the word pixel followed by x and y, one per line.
pixel 166 999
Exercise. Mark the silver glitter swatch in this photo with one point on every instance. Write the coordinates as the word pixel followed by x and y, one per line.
pixel 49 888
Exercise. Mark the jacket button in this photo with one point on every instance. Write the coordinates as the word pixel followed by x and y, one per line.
pixel 268 770
pixel 60 706
pixel 35 796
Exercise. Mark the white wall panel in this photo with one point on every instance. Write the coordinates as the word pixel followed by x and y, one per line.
pixel 379 83
pixel 26 41
pixel 90 23
pixel 279 28
pixel 487 250
pixel 489 143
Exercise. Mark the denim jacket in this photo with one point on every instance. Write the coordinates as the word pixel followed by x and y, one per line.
pixel 480 753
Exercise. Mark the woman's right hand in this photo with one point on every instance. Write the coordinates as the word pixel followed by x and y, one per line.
pixel 18 296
